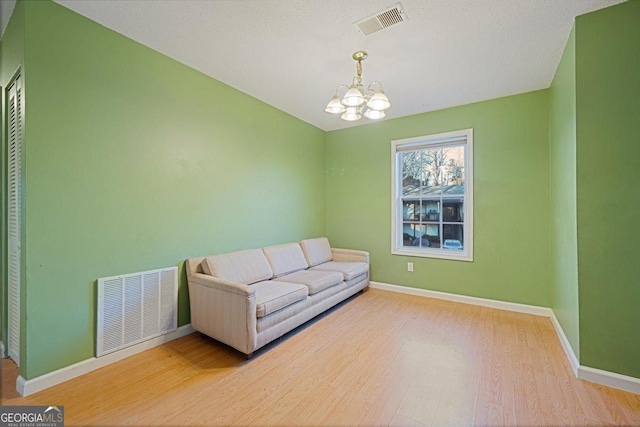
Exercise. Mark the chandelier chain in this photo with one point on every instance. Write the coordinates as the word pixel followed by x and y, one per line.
pixel 359 71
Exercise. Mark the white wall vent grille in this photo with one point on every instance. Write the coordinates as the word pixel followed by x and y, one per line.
pixel 381 20
pixel 136 307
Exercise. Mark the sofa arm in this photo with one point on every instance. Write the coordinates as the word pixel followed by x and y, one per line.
pixel 223 310
pixel 349 255
pixel 221 284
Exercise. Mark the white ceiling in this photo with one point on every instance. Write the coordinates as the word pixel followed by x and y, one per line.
pixel 6 9
pixel 293 54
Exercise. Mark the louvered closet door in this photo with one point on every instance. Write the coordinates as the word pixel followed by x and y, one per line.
pixel 14 215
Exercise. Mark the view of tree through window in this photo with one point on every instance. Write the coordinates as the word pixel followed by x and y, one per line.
pixel 431 196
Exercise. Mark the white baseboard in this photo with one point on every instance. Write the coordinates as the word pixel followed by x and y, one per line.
pixel 484 302
pixel 607 378
pixel 610 379
pixel 598 376
pixel 2 353
pixel 28 387
pixel 568 350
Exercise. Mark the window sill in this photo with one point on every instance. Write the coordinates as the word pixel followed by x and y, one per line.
pixel 436 254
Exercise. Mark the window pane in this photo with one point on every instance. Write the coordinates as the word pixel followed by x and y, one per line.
pixel 453 170
pixel 431 210
pixel 429 173
pixel 411 161
pixel 452 210
pixel 411 210
pixel 432 234
pixel 417 236
pixel 411 234
pixel 453 236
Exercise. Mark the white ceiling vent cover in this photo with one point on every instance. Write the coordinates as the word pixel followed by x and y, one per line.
pixel 381 20
pixel 133 308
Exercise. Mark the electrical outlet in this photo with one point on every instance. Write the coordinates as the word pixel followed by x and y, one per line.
pixel 409 266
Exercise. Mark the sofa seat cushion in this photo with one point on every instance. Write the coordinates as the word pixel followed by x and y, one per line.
pixel 316 281
pixel 272 295
pixel 285 259
pixel 349 270
pixel 244 267
pixel 355 280
pixel 316 251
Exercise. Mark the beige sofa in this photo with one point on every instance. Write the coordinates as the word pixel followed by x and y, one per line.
pixel 246 299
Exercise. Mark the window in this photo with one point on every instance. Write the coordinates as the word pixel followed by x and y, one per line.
pixel 432 193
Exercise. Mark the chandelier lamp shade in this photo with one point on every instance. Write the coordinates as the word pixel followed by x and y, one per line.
pixel 357 101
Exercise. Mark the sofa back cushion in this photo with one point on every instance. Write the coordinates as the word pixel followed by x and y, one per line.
pixel 244 267
pixel 285 259
pixel 316 251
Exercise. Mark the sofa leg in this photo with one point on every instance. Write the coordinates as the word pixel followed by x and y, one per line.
pixel 248 356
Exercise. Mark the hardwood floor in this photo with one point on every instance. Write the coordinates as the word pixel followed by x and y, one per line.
pixel 381 358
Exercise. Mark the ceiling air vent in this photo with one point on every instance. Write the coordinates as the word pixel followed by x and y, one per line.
pixel 383 19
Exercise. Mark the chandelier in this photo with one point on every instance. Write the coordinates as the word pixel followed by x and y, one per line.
pixel 358 101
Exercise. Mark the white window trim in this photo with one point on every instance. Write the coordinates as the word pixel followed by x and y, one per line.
pixel 396 191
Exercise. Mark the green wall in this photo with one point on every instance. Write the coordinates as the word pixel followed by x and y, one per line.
pixel 135 162
pixel 608 195
pixel 511 211
pixel 563 244
pixel 11 61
